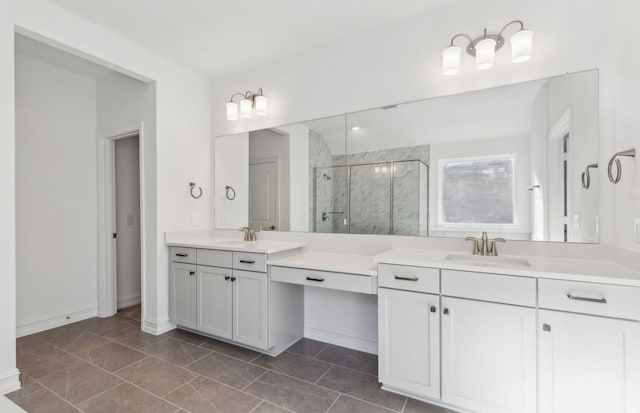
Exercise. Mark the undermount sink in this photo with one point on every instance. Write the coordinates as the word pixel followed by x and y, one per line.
pixel 483 261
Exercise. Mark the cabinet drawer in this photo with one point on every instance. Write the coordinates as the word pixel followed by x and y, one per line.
pixel 334 280
pixel 250 261
pixel 506 289
pixel 401 277
pixel 181 254
pixel 590 298
pixel 215 258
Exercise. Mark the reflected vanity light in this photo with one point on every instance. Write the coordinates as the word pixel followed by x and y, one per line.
pixel 355 128
pixel 250 101
pixel 485 47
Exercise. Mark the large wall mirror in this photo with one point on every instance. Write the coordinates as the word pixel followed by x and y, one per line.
pixel 518 161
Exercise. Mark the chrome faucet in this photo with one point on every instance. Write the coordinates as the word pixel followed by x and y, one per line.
pixel 487 246
pixel 249 234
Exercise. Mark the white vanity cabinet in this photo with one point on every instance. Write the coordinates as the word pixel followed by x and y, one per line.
pixel 589 362
pixel 409 330
pixel 215 301
pixel 183 294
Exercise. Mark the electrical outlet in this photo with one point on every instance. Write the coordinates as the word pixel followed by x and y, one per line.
pixel 576 221
pixel 636 230
pixel 195 220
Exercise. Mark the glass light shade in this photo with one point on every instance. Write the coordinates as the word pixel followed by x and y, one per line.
pixel 232 111
pixel 261 105
pixel 521 46
pixel 485 54
pixel 245 108
pixel 451 60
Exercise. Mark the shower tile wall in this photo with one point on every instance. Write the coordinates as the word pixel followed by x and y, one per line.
pixel 321 183
pixel 370 207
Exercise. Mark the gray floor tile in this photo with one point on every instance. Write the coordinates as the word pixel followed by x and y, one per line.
pixel 353 359
pixel 346 404
pixel 266 407
pixel 292 394
pixel 28 386
pixel 44 401
pixel 188 336
pixel 227 370
pixel 307 347
pixel 202 395
pixel 103 326
pixel 81 342
pixel 127 399
pixel 136 338
pixel 231 350
pixel 176 351
pixel 303 368
pixel 362 386
pixel 79 382
pixel 416 406
pixel 45 361
pixel 112 356
pixel 157 376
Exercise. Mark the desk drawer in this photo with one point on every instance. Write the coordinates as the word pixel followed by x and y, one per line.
pixel 507 289
pixel 402 277
pixel 182 254
pixel 590 298
pixel 250 261
pixel 215 258
pixel 334 280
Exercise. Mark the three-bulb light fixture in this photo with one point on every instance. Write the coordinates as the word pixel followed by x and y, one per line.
pixel 484 49
pixel 249 102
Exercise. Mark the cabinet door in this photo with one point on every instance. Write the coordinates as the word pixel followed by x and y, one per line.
pixel 183 294
pixel 409 341
pixel 250 308
pixel 488 356
pixel 215 301
pixel 588 364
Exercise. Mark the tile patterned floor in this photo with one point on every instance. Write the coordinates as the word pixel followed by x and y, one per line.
pixel 109 365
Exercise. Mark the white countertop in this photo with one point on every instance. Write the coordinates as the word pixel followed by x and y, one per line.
pixel 227 244
pixel 540 267
pixel 332 262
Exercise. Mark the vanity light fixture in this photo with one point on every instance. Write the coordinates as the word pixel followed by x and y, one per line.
pixel 250 101
pixel 485 47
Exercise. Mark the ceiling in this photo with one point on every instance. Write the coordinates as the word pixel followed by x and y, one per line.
pixel 216 37
pixel 56 57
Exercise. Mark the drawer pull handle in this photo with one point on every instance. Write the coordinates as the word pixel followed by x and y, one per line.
pixel 402 278
pixel 182 255
pixel 315 279
pixel 591 300
pixel 247 261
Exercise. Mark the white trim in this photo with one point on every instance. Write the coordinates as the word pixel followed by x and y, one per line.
pixel 9 381
pixel 554 202
pixel 32 326
pixel 130 301
pixel 157 327
pixel 356 343
pixel 107 279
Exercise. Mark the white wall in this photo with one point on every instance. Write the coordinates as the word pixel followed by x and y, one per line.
pixel 127 189
pixel 179 150
pixel 56 234
pixel 298 176
pixel 231 158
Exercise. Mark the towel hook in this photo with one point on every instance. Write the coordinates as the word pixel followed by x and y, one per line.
pixel 616 179
pixel 231 196
pixel 192 185
pixel 586 178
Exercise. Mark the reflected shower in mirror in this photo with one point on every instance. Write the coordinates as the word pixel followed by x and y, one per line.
pixel 507 160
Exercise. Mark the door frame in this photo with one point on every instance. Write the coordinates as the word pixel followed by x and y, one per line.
pixel 107 270
pixel 554 203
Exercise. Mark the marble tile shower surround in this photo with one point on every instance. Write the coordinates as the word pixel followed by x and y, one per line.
pixel 321 190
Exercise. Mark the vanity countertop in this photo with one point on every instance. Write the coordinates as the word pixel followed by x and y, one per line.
pixel 332 262
pixel 227 244
pixel 541 267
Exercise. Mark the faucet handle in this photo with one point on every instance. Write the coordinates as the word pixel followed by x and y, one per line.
pixel 475 240
pixel 493 248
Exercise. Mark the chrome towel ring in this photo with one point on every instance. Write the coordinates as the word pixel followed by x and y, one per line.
pixel 586 178
pixel 614 159
pixel 231 193
pixel 192 185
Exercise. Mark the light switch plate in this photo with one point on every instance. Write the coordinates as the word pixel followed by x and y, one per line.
pixel 195 220
pixel 636 230
pixel 130 219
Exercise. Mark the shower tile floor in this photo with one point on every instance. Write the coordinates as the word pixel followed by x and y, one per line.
pixel 110 365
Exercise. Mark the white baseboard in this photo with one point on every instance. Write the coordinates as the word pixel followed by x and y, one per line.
pixel 129 301
pixel 157 327
pixel 342 340
pixel 24 328
pixel 9 381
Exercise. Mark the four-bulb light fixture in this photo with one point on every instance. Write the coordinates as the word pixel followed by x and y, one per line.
pixel 248 103
pixel 484 48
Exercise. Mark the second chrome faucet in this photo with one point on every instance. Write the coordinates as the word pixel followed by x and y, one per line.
pixel 487 247
pixel 252 234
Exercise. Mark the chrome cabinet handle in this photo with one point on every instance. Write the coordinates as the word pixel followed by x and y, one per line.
pixel 182 255
pixel 247 261
pixel 315 279
pixel 591 300
pixel 402 278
